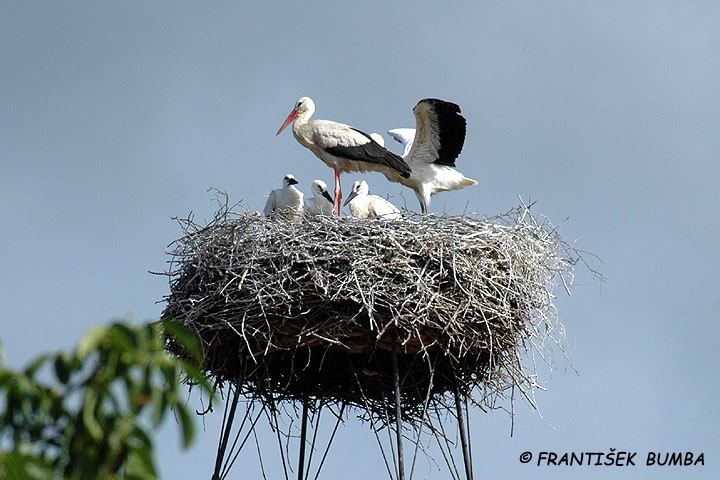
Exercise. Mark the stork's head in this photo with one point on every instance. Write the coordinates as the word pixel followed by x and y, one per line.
pixel 319 189
pixel 304 104
pixel 289 180
pixel 304 108
pixel 360 187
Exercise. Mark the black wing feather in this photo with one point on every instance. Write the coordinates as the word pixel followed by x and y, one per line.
pixel 452 127
pixel 372 152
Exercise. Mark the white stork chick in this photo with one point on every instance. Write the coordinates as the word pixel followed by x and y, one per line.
pixel 342 147
pixel 364 205
pixel 321 203
pixel 431 150
pixel 285 203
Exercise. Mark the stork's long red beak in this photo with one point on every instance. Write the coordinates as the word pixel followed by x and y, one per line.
pixel 288 121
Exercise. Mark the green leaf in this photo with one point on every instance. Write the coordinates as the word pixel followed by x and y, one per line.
pixel 199 379
pixel 15 465
pixel 186 338
pixel 124 337
pixel 160 406
pixel 90 402
pixel 170 373
pixel 140 463
pixel 63 368
pixel 35 365
pixel 85 413
pixel 186 422
pixel 91 341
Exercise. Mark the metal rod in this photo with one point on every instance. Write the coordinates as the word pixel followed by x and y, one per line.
pixel 230 462
pixel 332 436
pixel 316 429
pixel 398 416
pixel 275 425
pixel 469 433
pixel 303 440
pixel 226 434
pixel 463 437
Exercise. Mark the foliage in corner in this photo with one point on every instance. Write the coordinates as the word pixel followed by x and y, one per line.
pixel 89 413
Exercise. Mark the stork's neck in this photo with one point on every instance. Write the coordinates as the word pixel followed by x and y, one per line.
pixel 301 130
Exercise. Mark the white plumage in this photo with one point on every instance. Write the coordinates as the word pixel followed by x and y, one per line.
pixel 285 203
pixel 431 150
pixel 321 203
pixel 406 136
pixel 364 205
pixel 341 147
pixel 378 138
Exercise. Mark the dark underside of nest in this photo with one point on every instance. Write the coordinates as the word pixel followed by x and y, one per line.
pixel 359 372
pixel 319 309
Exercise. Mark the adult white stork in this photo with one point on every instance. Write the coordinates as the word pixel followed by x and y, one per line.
pixel 364 205
pixel 431 150
pixel 285 203
pixel 341 147
pixel 321 203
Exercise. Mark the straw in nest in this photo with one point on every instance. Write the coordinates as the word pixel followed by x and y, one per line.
pixel 289 311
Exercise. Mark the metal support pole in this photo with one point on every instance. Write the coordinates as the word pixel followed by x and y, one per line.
pixel 303 440
pixel 463 437
pixel 226 434
pixel 398 416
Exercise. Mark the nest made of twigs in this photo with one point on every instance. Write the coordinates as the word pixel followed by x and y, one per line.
pixel 319 308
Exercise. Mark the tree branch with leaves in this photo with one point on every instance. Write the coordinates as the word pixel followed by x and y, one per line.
pixel 90 413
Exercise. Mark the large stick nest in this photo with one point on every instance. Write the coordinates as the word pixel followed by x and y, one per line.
pixel 319 308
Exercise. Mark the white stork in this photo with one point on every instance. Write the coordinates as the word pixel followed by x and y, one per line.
pixel 321 203
pixel 431 150
pixel 285 203
pixel 341 147
pixel 364 205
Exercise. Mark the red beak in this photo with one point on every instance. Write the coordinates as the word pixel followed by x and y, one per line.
pixel 288 121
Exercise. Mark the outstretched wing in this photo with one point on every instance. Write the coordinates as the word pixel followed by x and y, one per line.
pixel 440 132
pixel 406 136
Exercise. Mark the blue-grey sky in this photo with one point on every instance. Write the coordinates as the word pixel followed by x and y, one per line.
pixel 115 117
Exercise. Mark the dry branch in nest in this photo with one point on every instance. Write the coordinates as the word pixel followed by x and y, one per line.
pixel 316 309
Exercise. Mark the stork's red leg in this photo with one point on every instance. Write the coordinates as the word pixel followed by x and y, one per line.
pixel 337 206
